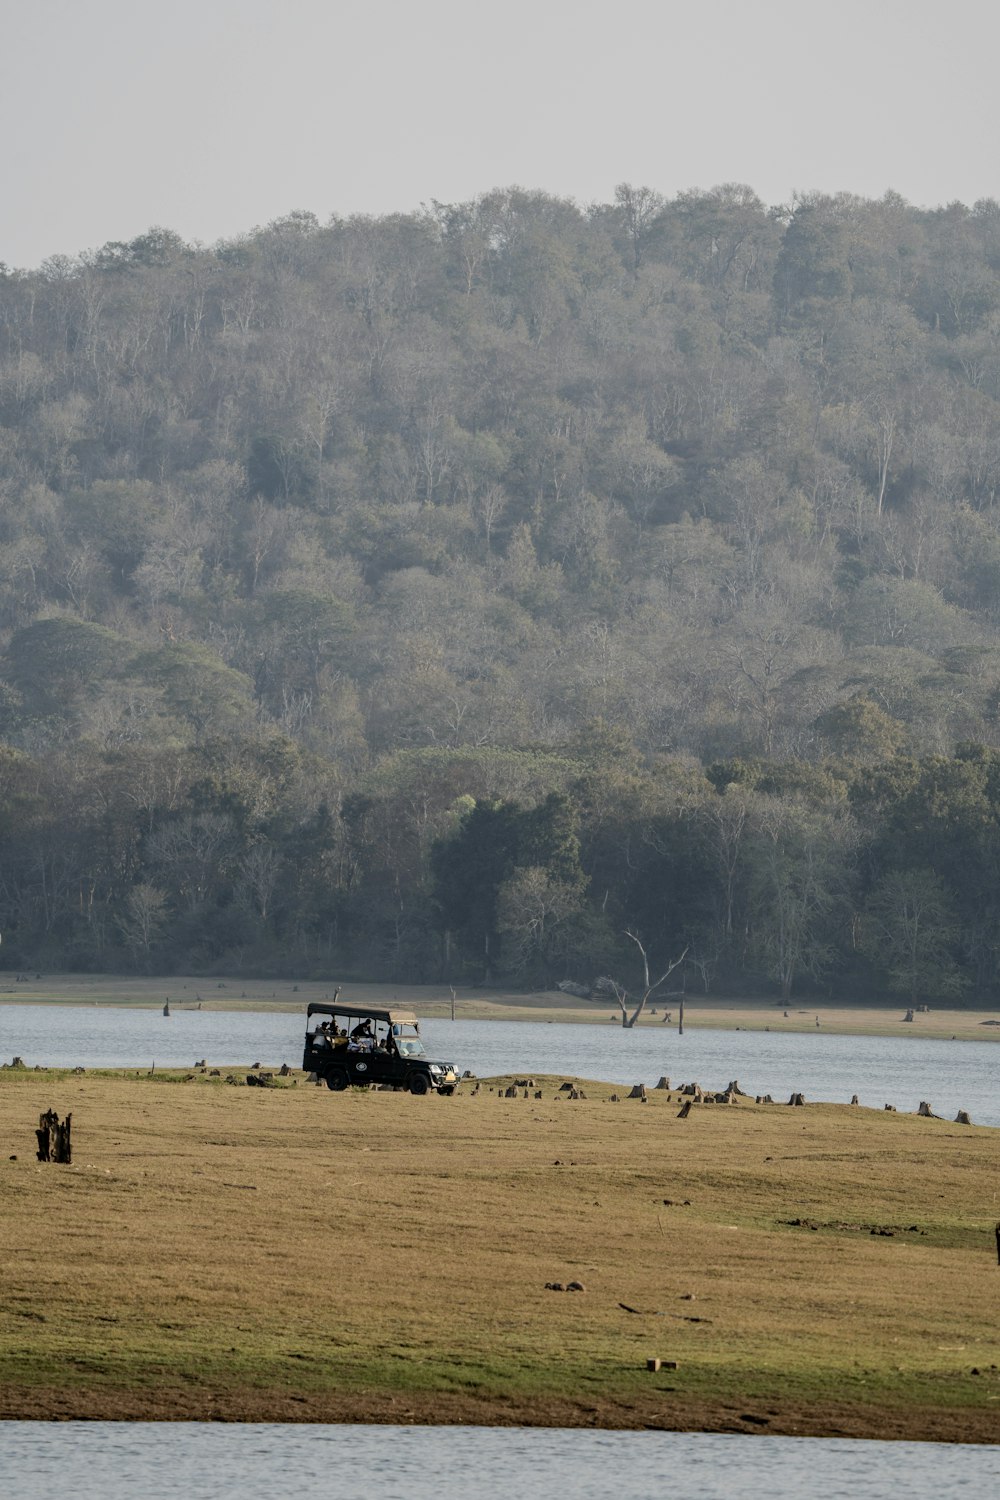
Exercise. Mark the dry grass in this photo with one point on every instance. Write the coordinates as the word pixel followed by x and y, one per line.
pixel 283 1253
pixel 495 1005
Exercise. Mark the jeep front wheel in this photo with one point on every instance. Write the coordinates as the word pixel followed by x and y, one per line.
pixel 418 1083
pixel 336 1081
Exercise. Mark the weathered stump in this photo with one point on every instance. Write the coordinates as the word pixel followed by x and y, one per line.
pixel 664 1082
pixel 925 1110
pixel 855 1099
pixel 685 1109
pixel 638 1091
pixel 962 1118
pixel 797 1099
pixel 54 1138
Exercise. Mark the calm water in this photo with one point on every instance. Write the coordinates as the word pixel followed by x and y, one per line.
pixel 189 1461
pixel 881 1070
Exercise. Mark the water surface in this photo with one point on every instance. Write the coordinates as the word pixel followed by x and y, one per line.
pixel 193 1461
pixel 880 1070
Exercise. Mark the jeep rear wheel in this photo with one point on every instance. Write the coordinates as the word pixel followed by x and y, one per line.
pixel 336 1081
pixel 418 1083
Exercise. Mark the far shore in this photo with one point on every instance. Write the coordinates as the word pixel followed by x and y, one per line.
pixel 436 1002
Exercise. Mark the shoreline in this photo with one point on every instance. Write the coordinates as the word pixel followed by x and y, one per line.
pixel 434 1002
pixel 835 1419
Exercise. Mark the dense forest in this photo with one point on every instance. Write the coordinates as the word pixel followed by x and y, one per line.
pixel 445 596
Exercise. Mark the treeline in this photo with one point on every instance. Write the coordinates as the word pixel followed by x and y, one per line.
pixel 450 499
pixel 517 867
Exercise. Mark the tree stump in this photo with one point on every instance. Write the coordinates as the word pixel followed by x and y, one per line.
pixel 962 1118
pixel 685 1109
pixel 797 1099
pixel 664 1082
pixel 925 1110
pixel 54 1138
pixel 855 1099
pixel 638 1091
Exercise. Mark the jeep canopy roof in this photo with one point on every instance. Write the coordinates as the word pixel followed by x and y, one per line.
pixel 363 1013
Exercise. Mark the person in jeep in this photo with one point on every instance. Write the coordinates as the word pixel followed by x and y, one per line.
pixel 381 1047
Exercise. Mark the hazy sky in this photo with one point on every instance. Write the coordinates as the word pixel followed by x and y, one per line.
pixel 212 116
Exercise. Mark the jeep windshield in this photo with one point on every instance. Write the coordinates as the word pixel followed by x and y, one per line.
pixel 410 1046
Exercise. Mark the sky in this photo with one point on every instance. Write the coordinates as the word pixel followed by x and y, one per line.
pixel 210 117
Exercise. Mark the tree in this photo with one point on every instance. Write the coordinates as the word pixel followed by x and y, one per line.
pixel 650 986
pixel 909 933
pixel 537 916
pixel 800 870
pixel 469 870
pixel 143 919
pixel 638 208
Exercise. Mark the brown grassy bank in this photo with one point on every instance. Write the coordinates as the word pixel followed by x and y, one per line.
pixel 291 1254
pixel 189 991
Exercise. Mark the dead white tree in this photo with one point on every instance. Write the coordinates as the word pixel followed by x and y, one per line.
pixel 651 987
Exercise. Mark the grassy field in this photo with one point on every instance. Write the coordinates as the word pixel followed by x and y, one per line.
pixel 291 1254
pixel 498 1005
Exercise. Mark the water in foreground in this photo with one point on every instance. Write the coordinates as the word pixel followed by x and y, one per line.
pixel 192 1461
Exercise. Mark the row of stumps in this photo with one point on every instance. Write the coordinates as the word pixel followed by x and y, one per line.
pixel 54 1138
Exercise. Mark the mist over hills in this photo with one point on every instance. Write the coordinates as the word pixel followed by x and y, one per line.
pixel 440 595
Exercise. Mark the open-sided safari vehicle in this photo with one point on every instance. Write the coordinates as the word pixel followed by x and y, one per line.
pixel 353 1044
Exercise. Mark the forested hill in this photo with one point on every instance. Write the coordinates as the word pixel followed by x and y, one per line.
pixel 441 595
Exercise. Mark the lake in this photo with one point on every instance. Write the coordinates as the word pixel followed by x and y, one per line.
pixel 193 1461
pixel 880 1070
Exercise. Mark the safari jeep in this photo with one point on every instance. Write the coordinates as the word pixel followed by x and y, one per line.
pixel 353 1044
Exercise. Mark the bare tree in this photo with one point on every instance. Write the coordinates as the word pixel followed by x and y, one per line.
pixel 650 987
